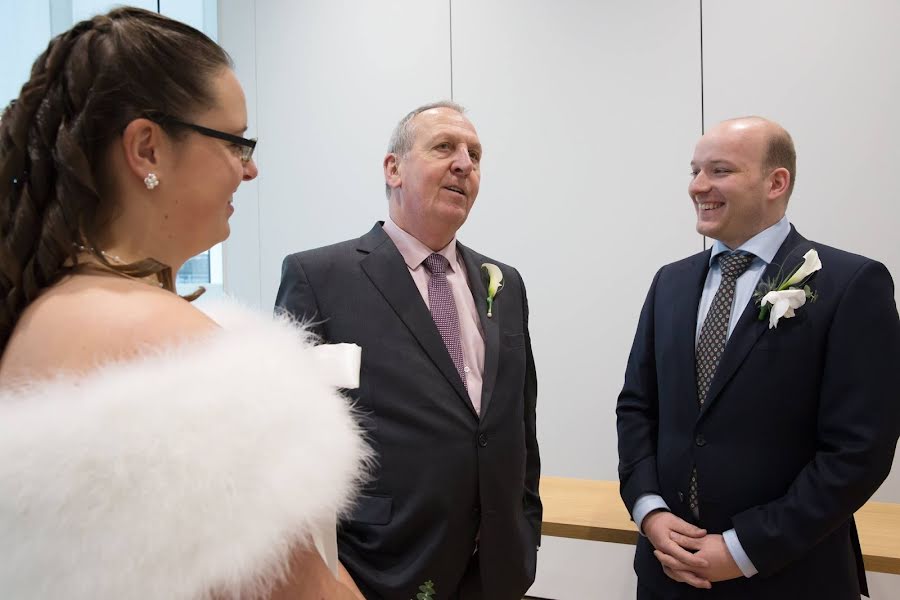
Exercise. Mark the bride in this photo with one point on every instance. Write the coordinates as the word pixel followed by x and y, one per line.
pixel 150 451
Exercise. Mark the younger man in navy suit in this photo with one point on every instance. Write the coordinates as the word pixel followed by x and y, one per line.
pixel 746 443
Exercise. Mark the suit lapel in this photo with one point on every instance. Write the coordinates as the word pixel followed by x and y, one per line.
pixel 749 328
pixel 685 303
pixel 490 326
pixel 388 272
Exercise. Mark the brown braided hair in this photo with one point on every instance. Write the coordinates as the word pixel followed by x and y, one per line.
pixel 88 85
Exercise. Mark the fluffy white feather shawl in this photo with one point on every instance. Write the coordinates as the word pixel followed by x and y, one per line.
pixel 194 468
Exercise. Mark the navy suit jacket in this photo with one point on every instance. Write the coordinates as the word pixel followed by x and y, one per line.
pixel 444 475
pixel 797 432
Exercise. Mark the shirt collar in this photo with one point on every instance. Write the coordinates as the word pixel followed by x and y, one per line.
pixel 415 252
pixel 764 244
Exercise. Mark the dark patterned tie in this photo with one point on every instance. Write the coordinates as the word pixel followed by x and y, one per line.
pixel 443 311
pixel 713 336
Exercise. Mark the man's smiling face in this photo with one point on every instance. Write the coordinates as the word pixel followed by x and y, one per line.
pixel 729 185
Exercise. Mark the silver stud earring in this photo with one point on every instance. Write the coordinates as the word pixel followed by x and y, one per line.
pixel 151 181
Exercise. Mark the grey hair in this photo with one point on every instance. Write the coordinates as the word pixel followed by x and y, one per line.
pixel 404 133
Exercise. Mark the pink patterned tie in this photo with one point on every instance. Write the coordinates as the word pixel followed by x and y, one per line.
pixel 443 311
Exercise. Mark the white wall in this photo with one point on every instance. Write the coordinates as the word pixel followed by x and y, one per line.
pixel 585 126
pixel 588 112
pixel 331 79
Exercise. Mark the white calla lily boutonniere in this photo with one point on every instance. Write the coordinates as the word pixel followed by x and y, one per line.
pixel 781 300
pixel 784 303
pixel 495 283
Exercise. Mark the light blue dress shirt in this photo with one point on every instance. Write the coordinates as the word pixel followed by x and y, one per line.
pixel 764 246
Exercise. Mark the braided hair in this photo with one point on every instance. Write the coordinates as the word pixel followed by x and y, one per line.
pixel 84 89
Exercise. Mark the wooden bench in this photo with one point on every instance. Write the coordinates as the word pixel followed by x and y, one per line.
pixel 584 509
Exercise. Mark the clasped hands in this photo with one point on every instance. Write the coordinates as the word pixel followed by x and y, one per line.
pixel 687 553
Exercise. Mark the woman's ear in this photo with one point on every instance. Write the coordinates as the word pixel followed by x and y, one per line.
pixel 143 143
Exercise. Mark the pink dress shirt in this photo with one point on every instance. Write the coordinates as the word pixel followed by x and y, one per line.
pixel 414 253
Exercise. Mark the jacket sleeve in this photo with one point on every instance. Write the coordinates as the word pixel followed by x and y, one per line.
pixel 857 428
pixel 637 411
pixel 533 505
pixel 296 297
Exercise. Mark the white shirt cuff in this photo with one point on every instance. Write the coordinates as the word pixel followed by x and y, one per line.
pixel 646 504
pixel 738 554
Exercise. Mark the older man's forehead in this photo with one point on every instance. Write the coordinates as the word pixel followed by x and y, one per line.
pixel 436 125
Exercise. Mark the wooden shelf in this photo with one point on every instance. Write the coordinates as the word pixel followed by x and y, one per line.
pixel 584 509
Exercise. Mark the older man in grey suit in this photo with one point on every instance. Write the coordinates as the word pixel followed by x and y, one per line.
pixel 448 386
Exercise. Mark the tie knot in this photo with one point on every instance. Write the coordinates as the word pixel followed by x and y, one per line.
pixel 436 263
pixel 734 264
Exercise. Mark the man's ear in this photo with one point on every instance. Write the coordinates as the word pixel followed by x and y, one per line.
pixel 779 182
pixel 392 175
pixel 142 142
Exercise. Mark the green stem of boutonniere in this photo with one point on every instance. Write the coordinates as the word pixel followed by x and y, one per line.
pixel 787 282
pixel 426 591
pixel 490 303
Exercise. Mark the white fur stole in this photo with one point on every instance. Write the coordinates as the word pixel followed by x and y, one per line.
pixel 193 469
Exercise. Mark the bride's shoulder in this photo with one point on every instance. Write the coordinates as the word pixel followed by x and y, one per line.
pixel 114 307
pixel 88 319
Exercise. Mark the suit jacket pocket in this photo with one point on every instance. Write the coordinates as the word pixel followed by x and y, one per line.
pixel 513 340
pixel 372 510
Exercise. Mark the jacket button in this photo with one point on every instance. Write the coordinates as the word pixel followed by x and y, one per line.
pixel 482 440
pixel 680 496
pixel 700 440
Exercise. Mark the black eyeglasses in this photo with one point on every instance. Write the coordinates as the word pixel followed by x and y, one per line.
pixel 246 146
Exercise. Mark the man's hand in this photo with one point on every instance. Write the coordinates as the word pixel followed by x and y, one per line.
pixel 677 559
pixel 714 551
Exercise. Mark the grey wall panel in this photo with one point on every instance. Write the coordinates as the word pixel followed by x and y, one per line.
pixel 332 79
pixel 241 260
pixel 588 112
pixel 827 70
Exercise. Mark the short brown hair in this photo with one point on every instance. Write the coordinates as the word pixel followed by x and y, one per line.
pixel 780 153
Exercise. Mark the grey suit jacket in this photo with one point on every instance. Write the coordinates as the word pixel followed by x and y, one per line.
pixel 444 475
